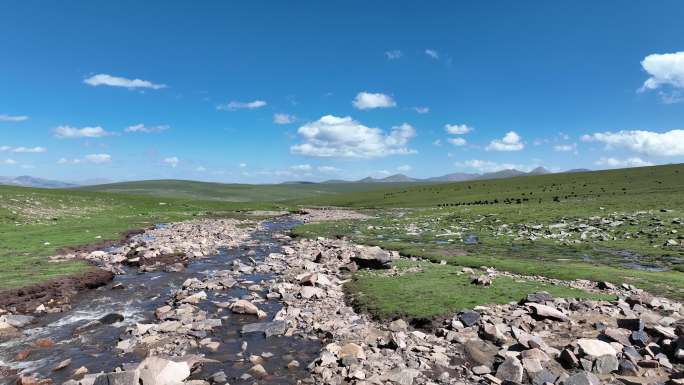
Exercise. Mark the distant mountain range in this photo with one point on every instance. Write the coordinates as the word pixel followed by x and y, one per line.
pixel 455 177
pixel 31 181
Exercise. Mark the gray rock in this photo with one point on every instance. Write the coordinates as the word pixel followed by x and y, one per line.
pixel 543 377
pixel 469 318
pixel 627 368
pixel 634 324
pixel 118 378
pixel 373 257
pixel 639 338
pixel 481 369
pixel 17 320
pixel 540 297
pixel 543 311
pixel 582 378
pixel 605 364
pixel 480 352
pixel 510 370
pixel 568 359
pixel 273 328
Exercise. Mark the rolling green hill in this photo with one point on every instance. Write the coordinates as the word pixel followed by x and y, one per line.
pixel 236 192
pixel 633 187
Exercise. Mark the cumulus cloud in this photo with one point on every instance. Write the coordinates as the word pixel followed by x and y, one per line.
pixel 457 141
pixel 36 149
pixel 394 54
pixel 489 166
pixel 172 161
pixel 13 118
pixel 145 129
pixel 422 110
pixel 664 69
pixel 9 162
pixel 116 81
pixel 243 165
pixel 283 118
pixel 629 162
pixel 565 147
pixel 366 101
pixel 432 53
pixel 343 137
pixel 510 142
pixel 234 105
pixel 301 167
pixel 404 168
pixel 457 129
pixel 670 143
pixel 68 132
pixel 98 158
pixel 328 169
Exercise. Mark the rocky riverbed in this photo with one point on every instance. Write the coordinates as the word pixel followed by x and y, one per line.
pixel 266 308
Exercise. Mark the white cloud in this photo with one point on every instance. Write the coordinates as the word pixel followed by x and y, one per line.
pixel 394 54
pixel 432 53
pixel 243 165
pixel 629 162
pixel 404 168
pixel 457 141
pixel 670 143
pixel 232 106
pixel 510 142
pixel 200 169
pixel 328 169
pixel 422 110
pixel 13 118
pixel 283 118
pixel 664 69
pixel 333 136
pixel 34 150
pixel 366 100
pixel 301 167
pixel 148 130
pixel 98 158
pixel 9 162
pixel 172 161
pixel 69 132
pixel 565 147
pixel 457 129
pixel 489 166
pixel 115 81
pixel 437 142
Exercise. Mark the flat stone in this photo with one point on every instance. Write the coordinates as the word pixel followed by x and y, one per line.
pixel 481 369
pixel 17 320
pixel 540 297
pixel 543 377
pixel 273 328
pixel 352 350
pixel 510 370
pixel 544 311
pixel 595 348
pixel 582 378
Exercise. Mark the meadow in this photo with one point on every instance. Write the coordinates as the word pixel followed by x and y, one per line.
pixel 619 226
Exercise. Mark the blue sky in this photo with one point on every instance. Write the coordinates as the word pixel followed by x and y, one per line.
pixel 271 91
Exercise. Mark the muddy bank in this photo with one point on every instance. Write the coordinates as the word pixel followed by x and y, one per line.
pixel 56 292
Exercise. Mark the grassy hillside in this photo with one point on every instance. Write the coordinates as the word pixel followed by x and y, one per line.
pixel 36 222
pixel 236 192
pixel 619 226
pixel 633 187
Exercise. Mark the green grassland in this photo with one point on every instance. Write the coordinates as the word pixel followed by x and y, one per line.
pixel 34 223
pixel 431 290
pixel 632 220
pixel 236 192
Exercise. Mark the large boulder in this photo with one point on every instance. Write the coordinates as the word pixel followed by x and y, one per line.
pixel 160 371
pixel 595 348
pixel 373 257
pixel 510 370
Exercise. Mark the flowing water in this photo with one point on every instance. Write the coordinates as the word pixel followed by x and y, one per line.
pixel 136 302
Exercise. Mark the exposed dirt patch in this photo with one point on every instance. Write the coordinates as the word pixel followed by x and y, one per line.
pixel 26 299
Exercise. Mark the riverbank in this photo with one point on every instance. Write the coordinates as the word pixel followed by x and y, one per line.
pixel 250 304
